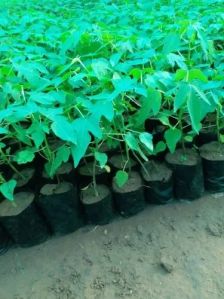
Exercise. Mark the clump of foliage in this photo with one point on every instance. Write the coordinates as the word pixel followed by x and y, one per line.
pixel 93 72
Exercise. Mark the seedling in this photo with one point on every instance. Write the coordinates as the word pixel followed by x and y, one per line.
pixel 69 73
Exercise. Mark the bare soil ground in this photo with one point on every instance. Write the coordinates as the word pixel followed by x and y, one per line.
pixel 166 252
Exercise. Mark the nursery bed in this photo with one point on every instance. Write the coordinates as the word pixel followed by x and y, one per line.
pixel 172 251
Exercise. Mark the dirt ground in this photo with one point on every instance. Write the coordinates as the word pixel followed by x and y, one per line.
pixel 166 252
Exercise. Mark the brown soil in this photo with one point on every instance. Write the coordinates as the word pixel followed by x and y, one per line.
pixel 213 151
pixel 165 252
pixel 156 171
pixel 50 189
pixel 134 183
pixel 183 157
pixel 12 208
pixel 27 174
pixel 119 162
pixel 87 170
pixel 89 196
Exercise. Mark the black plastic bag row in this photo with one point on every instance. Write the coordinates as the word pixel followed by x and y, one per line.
pixel 213 165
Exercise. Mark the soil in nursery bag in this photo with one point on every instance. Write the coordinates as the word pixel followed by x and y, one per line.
pixel 151 124
pixel 129 199
pixel 213 164
pixel 98 207
pixel 158 182
pixel 60 206
pixel 21 220
pixel 158 133
pixel 187 172
pixel 206 136
pixel 65 172
pixel 5 241
pixel 109 150
pixel 118 162
pixel 26 180
pixel 86 175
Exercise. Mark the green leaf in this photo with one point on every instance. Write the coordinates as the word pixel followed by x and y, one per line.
pixel 154 97
pixel 171 43
pixel 4 131
pixel 176 59
pixel 50 113
pixel 38 137
pixel 49 98
pixel 2 145
pixel 77 80
pixel 196 74
pixel 20 112
pixel 123 85
pixel 7 189
pixel 37 132
pixel 221 136
pixel 180 74
pixel 160 147
pixel 104 108
pixel 62 156
pixel 121 178
pixel 114 59
pixel 190 75
pixel 200 93
pixel 136 73
pixel 93 125
pixel 147 140
pixel 131 141
pixel 71 42
pixel 100 68
pixel 172 136
pixel 78 151
pixel 188 138
pixel 164 118
pixel 64 129
pixel 101 158
pixel 143 113
pixel 194 109
pixel 202 38
pixel 24 156
pixel 181 96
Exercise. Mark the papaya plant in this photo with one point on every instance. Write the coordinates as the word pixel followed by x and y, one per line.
pixel 84 79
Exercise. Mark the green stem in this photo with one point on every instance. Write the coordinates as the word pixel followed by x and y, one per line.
pixel 218 124
pixel 94 171
pixel 5 158
pixel 140 162
pixel 48 149
pixel 181 128
pixel 128 158
pixel 94 178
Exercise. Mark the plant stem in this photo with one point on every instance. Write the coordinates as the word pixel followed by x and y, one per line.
pixel 94 171
pixel 10 164
pixel 94 178
pixel 48 149
pixel 128 158
pixel 140 162
pixel 181 128
pixel 218 124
